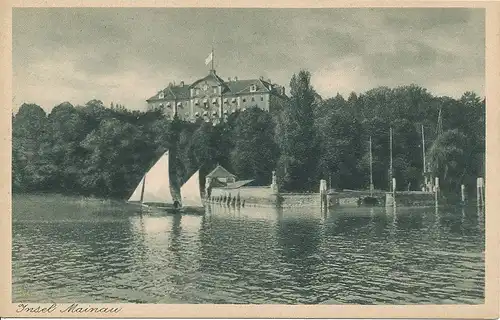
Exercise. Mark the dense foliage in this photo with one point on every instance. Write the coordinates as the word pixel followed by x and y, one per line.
pixel 104 151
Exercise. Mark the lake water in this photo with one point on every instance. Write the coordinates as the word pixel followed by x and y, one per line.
pixel 67 250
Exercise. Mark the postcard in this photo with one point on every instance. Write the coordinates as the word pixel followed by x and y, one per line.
pixel 250 159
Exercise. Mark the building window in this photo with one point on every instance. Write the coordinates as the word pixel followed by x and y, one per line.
pixel 244 100
pixel 253 88
pixel 253 99
pixel 234 100
pixel 196 102
pixel 197 91
pixel 214 100
pixel 261 98
pixel 215 89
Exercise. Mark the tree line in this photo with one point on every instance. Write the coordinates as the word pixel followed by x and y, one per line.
pixel 104 151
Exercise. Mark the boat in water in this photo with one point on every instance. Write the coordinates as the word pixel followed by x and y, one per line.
pixel 191 198
pixel 154 190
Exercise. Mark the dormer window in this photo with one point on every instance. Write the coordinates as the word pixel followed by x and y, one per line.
pixel 168 104
pixel 214 113
pixel 196 102
pixel 179 104
pixel 197 114
pixel 225 100
pixel 234 100
pixel 214 100
pixel 205 113
pixel 244 100
pixel 253 88
pixel 161 95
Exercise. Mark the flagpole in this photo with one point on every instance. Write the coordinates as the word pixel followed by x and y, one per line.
pixel 390 169
pixel 423 150
pixel 213 57
pixel 371 169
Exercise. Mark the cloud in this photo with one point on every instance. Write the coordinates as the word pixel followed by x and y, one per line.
pixel 126 54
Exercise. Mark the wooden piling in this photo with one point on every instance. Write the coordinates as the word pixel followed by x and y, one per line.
pixel 462 193
pixel 480 192
pixel 436 190
pixel 322 193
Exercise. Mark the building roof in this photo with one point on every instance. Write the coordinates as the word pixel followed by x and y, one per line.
pixel 179 92
pixel 211 75
pixel 220 172
pixel 238 184
pixel 243 86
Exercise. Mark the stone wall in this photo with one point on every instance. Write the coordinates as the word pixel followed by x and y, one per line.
pixel 300 200
pixel 250 195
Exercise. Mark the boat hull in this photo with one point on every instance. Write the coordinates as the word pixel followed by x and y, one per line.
pixel 193 210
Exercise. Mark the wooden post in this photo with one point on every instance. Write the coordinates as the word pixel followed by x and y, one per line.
pixel 322 193
pixel 436 190
pixel 480 192
pixel 462 191
pixel 394 188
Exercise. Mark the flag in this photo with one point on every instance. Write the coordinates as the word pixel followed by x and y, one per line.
pixel 209 58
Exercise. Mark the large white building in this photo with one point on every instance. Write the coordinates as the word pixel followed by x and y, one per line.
pixel 212 97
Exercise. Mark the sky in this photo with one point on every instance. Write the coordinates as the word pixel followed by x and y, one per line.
pixel 126 55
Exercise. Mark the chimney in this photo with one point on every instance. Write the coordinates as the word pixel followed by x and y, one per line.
pixel 229 79
pixel 283 90
pixel 235 78
pixel 182 83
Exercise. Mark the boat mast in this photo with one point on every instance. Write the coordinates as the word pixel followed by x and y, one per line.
pixel 423 150
pixel 390 163
pixel 371 168
pixel 142 190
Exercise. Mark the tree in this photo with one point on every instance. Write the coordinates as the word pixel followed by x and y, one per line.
pixel 29 130
pixel 447 159
pixel 255 153
pixel 340 145
pixel 296 136
pixel 114 166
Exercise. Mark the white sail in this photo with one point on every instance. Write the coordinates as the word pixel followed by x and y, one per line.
pixel 190 192
pixel 136 195
pixel 157 186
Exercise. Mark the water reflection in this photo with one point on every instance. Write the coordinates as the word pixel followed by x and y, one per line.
pixel 255 255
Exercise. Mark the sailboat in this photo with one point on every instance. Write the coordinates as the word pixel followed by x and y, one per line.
pixel 154 189
pixel 191 200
